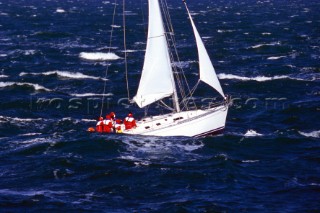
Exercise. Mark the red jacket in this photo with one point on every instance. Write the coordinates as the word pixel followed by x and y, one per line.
pixel 129 122
pixel 107 126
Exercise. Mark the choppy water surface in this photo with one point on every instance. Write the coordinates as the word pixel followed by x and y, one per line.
pixel 54 55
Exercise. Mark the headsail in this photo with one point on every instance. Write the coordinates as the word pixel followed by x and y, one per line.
pixel 156 80
pixel 206 69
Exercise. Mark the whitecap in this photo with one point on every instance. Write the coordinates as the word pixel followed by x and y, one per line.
pixel 250 161
pixel 29 52
pixel 107 48
pixel 314 134
pixel 3 55
pixel 65 74
pixel 4 118
pixel 182 64
pixel 252 133
pixel 129 51
pixel 115 26
pixel 225 31
pixel 258 78
pixel 262 45
pixel 59 10
pixel 30 134
pixel 91 94
pixel 88 120
pixel 266 33
pixel 4 76
pixel 32 193
pixel 35 86
pixel 99 56
pixel 275 57
pixel 314 184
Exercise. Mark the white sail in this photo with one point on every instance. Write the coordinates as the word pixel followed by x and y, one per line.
pixel 157 78
pixel 206 69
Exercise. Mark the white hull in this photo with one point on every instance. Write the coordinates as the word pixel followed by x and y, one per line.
pixel 192 123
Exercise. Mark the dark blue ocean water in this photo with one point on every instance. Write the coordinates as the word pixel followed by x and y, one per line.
pixel 267 55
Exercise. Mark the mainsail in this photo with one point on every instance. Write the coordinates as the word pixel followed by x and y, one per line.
pixel 157 80
pixel 206 69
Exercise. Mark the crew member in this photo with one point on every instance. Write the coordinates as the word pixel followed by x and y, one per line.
pixel 99 126
pixel 116 123
pixel 130 122
pixel 107 124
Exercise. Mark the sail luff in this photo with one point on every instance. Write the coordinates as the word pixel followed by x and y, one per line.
pixel 157 80
pixel 206 69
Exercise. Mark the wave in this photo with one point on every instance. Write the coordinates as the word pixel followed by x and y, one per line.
pixel 30 134
pixel 314 134
pixel 263 45
pixel 32 193
pixel 4 76
pixel 29 52
pixel 258 78
pixel 65 74
pixel 182 64
pixel 252 133
pixel 99 56
pixel 129 51
pixel 3 55
pixel 107 48
pixel 23 120
pixel 88 120
pixel 225 31
pixel 59 10
pixel 250 161
pixel 91 94
pixel 276 57
pixel 35 86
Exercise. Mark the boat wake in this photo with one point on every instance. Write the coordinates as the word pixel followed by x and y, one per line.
pixel 147 150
